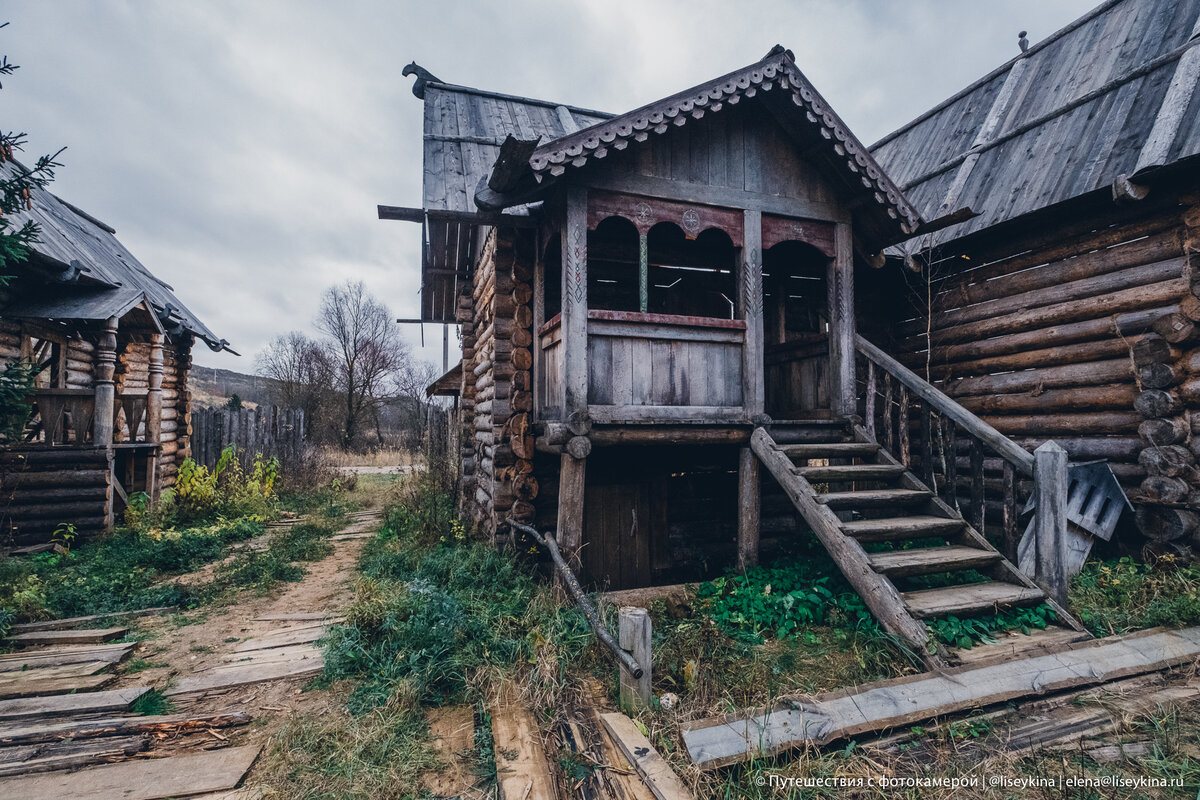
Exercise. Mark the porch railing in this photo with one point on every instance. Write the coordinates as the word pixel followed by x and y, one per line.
pixel 949 447
pixel 65 417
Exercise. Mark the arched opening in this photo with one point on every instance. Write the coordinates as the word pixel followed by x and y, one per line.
pixel 691 277
pixel 613 266
pixel 796 330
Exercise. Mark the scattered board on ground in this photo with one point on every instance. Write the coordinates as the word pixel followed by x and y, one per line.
pixel 78 636
pixel 108 653
pixel 82 668
pixel 147 779
pixel 71 704
pixel 32 731
pixel 655 772
pixel 75 622
pixel 305 617
pixel 28 759
pixel 903 701
pixel 282 639
pixel 1013 645
pixel 244 675
pixel 33 686
pixel 452 731
pixel 525 776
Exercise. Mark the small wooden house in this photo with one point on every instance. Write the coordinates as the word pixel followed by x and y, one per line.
pixel 656 304
pixel 113 346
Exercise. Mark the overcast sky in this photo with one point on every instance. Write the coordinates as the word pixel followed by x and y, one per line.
pixel 240 147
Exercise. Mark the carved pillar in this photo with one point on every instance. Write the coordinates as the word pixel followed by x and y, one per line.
pixel 106 393
pixel 752 311
pixel 574 303
pixel 841 324
pixel 154 407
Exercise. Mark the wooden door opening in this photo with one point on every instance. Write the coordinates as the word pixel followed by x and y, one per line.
pixel 796 331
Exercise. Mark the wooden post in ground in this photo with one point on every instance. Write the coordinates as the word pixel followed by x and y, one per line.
pixel 748 509
pixel 1050 482
pixel 571 483
pixel 634 637
pixel 154 410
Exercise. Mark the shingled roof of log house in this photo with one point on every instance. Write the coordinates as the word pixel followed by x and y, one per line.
pixel 90 275
pixel 1109 96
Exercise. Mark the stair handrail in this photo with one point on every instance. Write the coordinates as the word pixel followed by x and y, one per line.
pixel 1004 447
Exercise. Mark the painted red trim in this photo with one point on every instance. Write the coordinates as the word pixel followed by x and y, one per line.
pixel 550 324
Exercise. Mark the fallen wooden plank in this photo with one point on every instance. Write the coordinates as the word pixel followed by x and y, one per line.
pixel 28 759
pixel 75 622
pixel 245 793
pixel 148 779
pixel 52 686
pixel 244 675
pixel 80 636
pixel 656 773
pixel 903 701
pixel 317 617
pixel 524 775
pixel 1013 645
pixel 293 652
pixel 28 732
pixel 620 771
pixel 71 704
pixel 57 671
pixel 108 653
pixel 1065 728
pixel 452 733
pixel 282 639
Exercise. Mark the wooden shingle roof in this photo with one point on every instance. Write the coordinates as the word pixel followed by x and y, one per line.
pixel 98 274
pixel 1115 93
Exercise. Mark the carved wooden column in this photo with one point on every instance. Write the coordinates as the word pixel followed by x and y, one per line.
pixel 154 407
pixel 751 296
pixel 841 324
pixel 573 471
pixel 105 386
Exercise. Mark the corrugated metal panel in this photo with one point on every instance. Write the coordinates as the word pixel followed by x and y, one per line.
pixel 71 239
pixel 1080 113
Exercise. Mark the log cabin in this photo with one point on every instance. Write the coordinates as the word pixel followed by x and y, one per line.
pixel 691 330
pixel 110 406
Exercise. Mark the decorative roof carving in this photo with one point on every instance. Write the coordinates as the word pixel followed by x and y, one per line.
pixel 776 72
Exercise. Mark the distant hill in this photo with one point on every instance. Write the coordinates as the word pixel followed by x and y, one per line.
pixel 213 387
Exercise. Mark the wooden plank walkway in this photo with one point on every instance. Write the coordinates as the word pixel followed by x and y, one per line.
pixel 655 772
pixel 65 705
pixel 521 769
pixel 887 704
pixel 151 779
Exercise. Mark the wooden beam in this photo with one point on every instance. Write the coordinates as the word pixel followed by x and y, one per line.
pixel 653 769
pixel 749 512
pixel 751 308
pixel 1050 476
pixel 574 302
pixel 842 388
pixel 571 488
pixel 904 701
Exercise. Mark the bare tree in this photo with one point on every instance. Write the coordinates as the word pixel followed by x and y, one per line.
pixel 303 375
pixel 366 351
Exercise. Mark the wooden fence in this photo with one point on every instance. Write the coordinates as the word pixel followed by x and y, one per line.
pixel 268 430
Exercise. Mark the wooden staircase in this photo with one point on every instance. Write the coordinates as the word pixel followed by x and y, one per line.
pixel 853 492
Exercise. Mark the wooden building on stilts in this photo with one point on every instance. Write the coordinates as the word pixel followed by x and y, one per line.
pixel 111 348
pixel 701 326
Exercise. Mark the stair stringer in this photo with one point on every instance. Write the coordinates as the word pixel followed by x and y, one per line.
pixel 1004 570
pixel 877 591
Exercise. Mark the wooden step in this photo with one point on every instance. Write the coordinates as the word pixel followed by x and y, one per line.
pixel 969 600
pixel 926 560
pixel 893 528
pixel 874 498
pixel 851 472
pixel 830 450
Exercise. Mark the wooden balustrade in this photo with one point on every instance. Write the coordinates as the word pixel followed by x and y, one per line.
pixel 962 458
pixel 64 417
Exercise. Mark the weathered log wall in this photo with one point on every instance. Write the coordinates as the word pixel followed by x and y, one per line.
pixel 497 398
pixel 1081 333
pixel 41 488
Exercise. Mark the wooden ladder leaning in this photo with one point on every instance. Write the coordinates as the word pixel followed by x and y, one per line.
pixel 852 491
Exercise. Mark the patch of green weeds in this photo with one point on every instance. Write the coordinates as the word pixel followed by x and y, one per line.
pixel 152 703
pixel 1121 595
